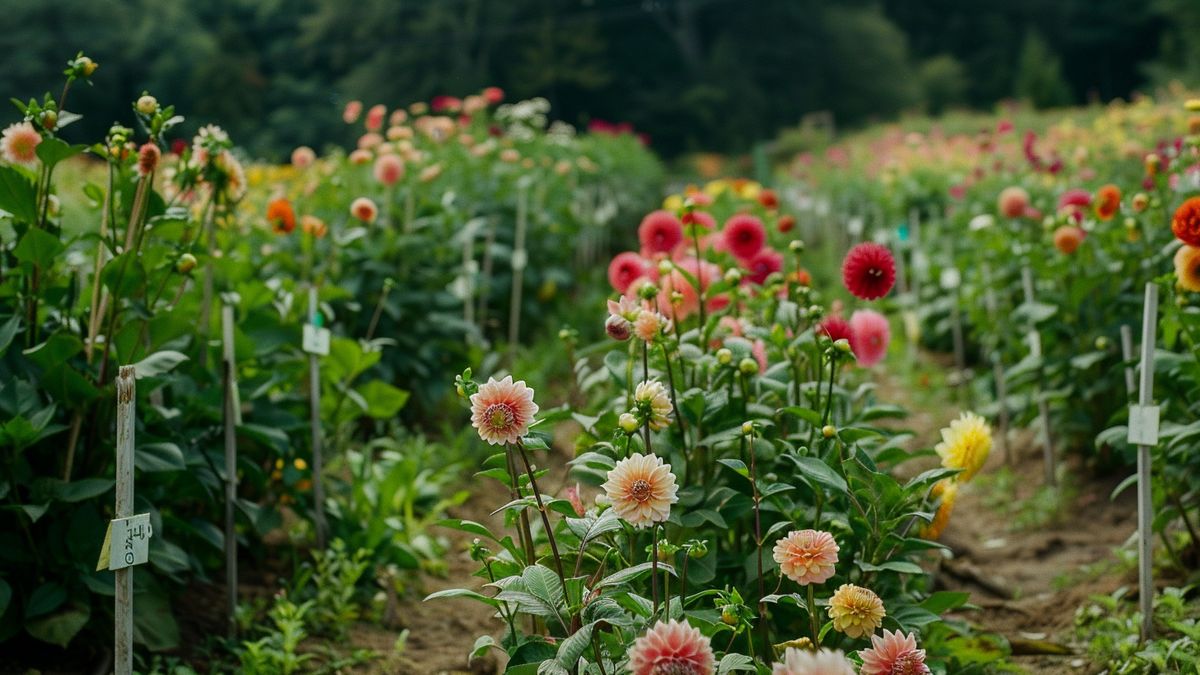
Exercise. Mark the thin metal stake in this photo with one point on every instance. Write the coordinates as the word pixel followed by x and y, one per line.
pixel 1127 356
pixel 314 408
pixel 123 608
pixel 1035 348
pixel 518 267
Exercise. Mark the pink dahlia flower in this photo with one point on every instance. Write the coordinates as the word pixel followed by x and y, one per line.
pixel 805 662
pixel 641 489
pixel 660 231
pixel 364 209
pixel 807 556
pixel 893 654
pixel 19 144
pixel 625 268
pixel 673 648
pixel 502 410
pixel 744 236
pixel 869 336
pixel 303 157
pixel 389 169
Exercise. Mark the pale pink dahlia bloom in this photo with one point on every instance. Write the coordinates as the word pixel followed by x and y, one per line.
pixel 869 336
pixel 673 648
pixel 893 654
pixel 19 144
pixel 502 410
pixel 364 209
pixel 641 489
pixel 807 556
pixel 805 662
pixel 303 157
pixel 389 169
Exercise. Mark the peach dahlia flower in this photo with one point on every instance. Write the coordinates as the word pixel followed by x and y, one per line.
pixel 641 489
pixel 807 556
pixel 502 410
pixel 673 648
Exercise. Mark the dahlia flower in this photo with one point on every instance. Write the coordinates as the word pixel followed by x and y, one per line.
pixel 659 232
pixel 947 491
pixel 744 236
pixel 893 654
pixel 313 226
pixel 673 648
pixel 806 662
pixel 763 264
pixel 1013 201
pixel 869 336
pixel 1185 224
pixel 807 556
pixel 856 611
pixel 351 112
pixel 389 169
pixel 374 120
pixel 19 144
pixel 303 157
pixel 1068 238
pixel 641 489
pixel 624 268
pixel 651 397
pixel 1187 267
pixel 649 325
pixel 965 445
pixel 364 209
pixel 281 216
pixel 148 156
pixel 502 410
pixel 1108 202
pixel 836 328
pixel 869 271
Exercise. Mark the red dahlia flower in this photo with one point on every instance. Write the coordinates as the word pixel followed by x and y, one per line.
pixel 869 271
pixel 744 236
pixel 660 232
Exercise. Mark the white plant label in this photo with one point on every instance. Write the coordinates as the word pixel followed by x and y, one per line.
pixel 316 340
pixel 1143 425
pixel 127 542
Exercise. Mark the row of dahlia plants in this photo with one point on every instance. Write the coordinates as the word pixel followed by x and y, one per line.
pixel 438 212
pixel 1090 209
pixel 733 501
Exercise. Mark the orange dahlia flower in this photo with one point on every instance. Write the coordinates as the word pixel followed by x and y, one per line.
pixel 1186 223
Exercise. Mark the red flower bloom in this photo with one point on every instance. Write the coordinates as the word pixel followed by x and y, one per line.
pixel 769 199
pixel 1108 202
pixel 445 103
pixel 493 95
pixel 1186 223
pixel 281 216
pixel 869 271
pixel 763 264
pixel 744 235
pixel 625 268
pixel 660 232
pixel 836 328
pixel 786 223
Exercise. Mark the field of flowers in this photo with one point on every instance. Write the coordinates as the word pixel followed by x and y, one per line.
pixel 482 394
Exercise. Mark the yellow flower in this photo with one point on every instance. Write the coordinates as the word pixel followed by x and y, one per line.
pixel 673 203
pixel 1192 104
pixel 856 611
pixel 1187 267
pixel 300 464
pixel 651 399
pixel 965 445
pixel 948 491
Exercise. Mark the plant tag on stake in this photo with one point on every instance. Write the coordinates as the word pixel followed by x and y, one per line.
pixel 126 543
pixel 1143 425
pixel 316 339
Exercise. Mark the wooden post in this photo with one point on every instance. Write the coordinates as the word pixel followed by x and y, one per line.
pixel 1127 356
pixel 469 269
pixel 518 268
pixel 1145 432
pixel 314 409
pixel 1035 348
pixel 123 608
pixel 231 479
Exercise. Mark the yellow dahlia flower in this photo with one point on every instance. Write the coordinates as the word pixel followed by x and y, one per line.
pixel 856 611
pixel 965 445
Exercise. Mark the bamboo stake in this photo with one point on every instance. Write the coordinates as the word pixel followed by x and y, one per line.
pixel 318 462
pixel 1145 505
pixel 123 606
pixel 230 413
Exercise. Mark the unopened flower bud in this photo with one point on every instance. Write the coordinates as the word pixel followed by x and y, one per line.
pixel 86 66
pixel 1140 202
pixel 797 246
pixel 842 345
pixel 828 431
pixel 665 266
pixel 747 428
pixel 186 263
pixel 147 104
pixel 729 615
pixel 618 328
pixel 1131 224
pixel 647 291
pixel 698 551
pixel 733 275
pixel 748 366
pixel 628 423
pixel 724 356
pixel 1101 343
pixel 815 311
pixel 49 119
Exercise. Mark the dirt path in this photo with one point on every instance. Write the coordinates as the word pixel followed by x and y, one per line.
pixel 1028 561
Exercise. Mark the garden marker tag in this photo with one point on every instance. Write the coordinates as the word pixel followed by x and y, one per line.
pixel 316 339
pixel 1143 425
pixel 126 543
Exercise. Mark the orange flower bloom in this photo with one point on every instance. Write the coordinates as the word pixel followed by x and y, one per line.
pixel 1187 268
pixel 281 216
pixel 1186 223
pixel 1108 202
pixel 1068 238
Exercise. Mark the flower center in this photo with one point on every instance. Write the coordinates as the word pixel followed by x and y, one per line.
pixel 875 272
pixel 499 416
pixel 909 664
pixel 674 667
pixel 640 490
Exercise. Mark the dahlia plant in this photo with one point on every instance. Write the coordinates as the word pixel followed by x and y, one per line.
pixel 744 513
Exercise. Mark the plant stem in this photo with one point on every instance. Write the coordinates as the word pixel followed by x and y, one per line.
pixel 758 541
pixel 654 569
pixel 537 496
pixel 812 616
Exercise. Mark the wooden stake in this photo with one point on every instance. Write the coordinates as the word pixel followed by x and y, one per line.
pixel 1035 348
pixel 518 267
pixel 229 364
pixel 468 263
pixel 123 608
pixel 993 309
pixel 1145 505
pixel 314 408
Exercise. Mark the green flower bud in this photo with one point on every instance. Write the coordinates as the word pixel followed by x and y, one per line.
pixel 147 104
pixel 828 431
pixel 747 428
pixel 1102 343
pixel 628 423
pixel 724 356
pixel 186 263
pixel 748 366
pixel 733 275
pixel 797 246
pixel 842 345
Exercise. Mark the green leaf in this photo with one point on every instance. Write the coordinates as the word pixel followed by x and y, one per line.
pixel 158 363
pixel 807 414
pixel 45 599
pixel 732 662
pixel 482 644
pixel 59 628
pixel 17 195
pixel 124 275
pixel 631 573
pixel 5 596
pixel 900 566
pixel 87 488
pixel 462 593
pixel 56 349
pixel 944 601
pixel 38 247
pixel 154 623
pixel 573 647
pixel 383 400
pixel 54 150
pixel 152 457
pixel 819 472
pixel 8 331
pixel 543 584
